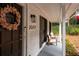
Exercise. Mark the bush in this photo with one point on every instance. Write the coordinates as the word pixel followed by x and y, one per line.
pixel 70 50
pixel 72 30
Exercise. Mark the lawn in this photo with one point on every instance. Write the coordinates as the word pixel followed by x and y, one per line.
pixel 55 29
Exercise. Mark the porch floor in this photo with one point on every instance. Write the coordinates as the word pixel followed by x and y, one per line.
pixel 51 50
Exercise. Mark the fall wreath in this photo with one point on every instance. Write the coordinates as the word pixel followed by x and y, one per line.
pixel 6 14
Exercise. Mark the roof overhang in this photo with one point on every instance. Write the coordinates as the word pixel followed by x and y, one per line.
pixel 53 10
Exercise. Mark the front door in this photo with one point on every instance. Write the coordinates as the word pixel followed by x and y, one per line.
pixel 10 30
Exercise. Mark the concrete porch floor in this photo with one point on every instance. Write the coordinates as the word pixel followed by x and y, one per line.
pixel 51 50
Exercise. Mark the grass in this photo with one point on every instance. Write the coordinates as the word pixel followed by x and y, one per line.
pixel 55 29
pixel 70 30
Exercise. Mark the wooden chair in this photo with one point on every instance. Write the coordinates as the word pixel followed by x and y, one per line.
pixel 52 39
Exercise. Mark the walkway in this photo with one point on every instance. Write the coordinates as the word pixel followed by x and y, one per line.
pixel 51 50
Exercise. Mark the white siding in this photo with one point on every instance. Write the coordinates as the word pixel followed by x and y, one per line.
pixel 33 34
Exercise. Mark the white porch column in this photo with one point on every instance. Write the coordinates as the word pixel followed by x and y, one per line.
pixel 60 32
pixel 63 29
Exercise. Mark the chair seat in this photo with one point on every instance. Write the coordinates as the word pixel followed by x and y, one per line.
pixel 52 39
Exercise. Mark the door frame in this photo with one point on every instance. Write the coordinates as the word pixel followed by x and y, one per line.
pixel 24 28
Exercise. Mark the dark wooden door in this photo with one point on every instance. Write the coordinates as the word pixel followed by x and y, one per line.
pixel 43 30
pixel 11 40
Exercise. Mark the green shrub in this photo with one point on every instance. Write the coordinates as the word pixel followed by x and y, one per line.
pixel 73 21
pixel 77 30
pixel 70 50
pixel 72 30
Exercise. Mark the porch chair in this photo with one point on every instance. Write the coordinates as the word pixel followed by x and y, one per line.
pixel 52 39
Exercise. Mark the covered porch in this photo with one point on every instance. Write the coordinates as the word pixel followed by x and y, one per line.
pixel 36 19
pixel 57 13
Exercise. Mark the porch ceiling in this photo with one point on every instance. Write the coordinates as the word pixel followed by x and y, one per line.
pixel 53 10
